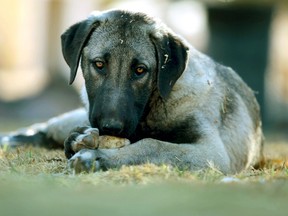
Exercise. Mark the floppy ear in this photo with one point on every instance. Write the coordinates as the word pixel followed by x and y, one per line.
pixel 172 56
pixel 73 41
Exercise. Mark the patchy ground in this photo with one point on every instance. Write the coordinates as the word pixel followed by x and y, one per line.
pixel 34 181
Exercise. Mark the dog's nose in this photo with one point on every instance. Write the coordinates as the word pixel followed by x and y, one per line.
pixel 111 127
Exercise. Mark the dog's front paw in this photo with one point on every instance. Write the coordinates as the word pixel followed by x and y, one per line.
pixel 88 138
pixel 81 138
pixel 83 161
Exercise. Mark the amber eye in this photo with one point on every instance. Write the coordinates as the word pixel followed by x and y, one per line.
pixel 99 65
pixel 140 70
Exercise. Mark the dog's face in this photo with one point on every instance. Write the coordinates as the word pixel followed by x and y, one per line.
pixel 119 66
pixel 125 57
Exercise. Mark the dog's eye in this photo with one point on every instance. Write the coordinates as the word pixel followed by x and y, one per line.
pixel 99 65
pixel 140 70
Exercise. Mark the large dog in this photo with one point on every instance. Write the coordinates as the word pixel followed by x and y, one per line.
pixel 147 86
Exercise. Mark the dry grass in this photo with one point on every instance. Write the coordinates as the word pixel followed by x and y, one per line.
pixel 31 161
pixel 34 181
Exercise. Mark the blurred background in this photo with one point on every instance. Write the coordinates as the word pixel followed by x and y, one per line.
pixel 251 36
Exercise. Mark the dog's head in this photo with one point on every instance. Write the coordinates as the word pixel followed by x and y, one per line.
pixel 125 56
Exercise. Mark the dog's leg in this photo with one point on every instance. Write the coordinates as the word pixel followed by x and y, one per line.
pixel 184 156
pixel 50 134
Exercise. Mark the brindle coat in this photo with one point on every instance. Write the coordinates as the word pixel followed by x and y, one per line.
pixel 146 84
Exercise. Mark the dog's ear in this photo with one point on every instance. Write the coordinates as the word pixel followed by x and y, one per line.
pixel 172 56
pixel 73 41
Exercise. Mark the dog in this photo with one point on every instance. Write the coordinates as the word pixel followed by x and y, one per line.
pixel 148 88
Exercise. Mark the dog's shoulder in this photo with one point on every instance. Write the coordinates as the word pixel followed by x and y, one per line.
pixel 211 88
pixel 198 82
pixel 234 85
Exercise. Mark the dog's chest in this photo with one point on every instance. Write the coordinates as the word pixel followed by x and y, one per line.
pixel 175 124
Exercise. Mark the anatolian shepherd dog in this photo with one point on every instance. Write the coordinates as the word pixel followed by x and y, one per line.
pixel 149 90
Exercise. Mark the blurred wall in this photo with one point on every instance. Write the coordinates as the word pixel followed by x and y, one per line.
pixel 277 73
pixel 23 40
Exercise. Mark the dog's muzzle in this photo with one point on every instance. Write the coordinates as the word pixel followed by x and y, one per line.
pixel 111 126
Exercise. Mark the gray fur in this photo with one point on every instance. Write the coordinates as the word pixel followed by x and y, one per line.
pixel 186 111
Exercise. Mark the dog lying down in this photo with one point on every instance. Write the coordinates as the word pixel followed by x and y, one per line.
pixel 149 96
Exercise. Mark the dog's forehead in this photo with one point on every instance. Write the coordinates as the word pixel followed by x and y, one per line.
pixel 120 29
pixel 125 25
pixel 120 16
pixel 133 24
